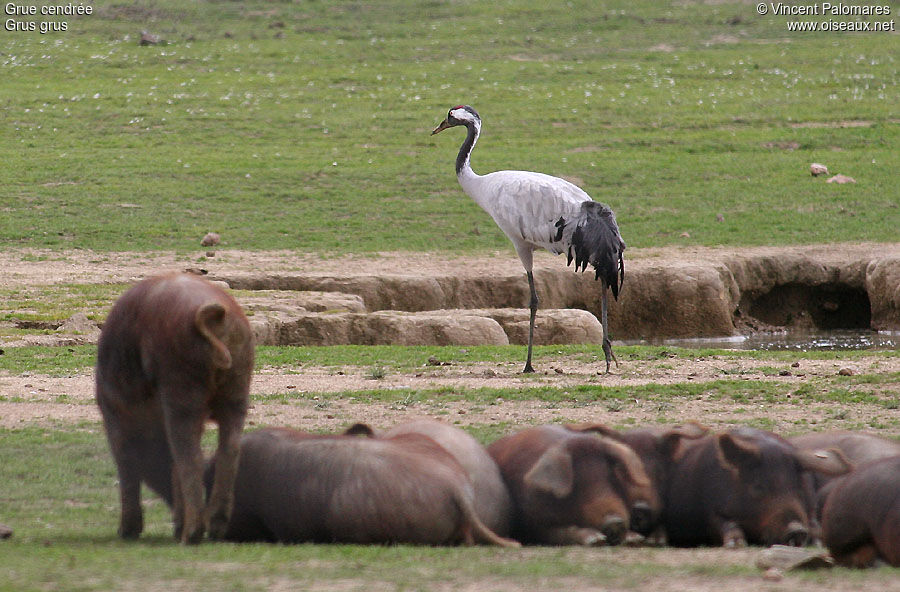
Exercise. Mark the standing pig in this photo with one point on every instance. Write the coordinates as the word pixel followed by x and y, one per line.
pixel 569 487
pixel 492 502
pixel 175 351
pixel 742 486
pixel 297 487
pixel 861 518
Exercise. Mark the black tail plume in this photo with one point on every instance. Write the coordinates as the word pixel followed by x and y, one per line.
pixel 597 241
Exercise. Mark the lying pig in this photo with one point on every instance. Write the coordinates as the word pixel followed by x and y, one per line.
pixel 857 447
pixel 175 351
pixel 569 487
pixel 295 487
pixel 861 518
pixel 492 502
pixel 742 486
pixel 657 447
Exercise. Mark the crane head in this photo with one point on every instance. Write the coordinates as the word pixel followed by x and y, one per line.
pixel 459 115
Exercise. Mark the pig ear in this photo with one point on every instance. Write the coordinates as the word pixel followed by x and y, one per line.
pixel 670 441
pixel 830 462
pixel 628 464
pixel 552 472
pixel 360 429
pixel 595 428
pixel 736 453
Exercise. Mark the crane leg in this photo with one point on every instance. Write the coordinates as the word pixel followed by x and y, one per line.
pixel 607 344
pixel 533 305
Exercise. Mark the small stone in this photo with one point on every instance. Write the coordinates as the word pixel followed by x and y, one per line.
pixel 210 239
pixel 841 179
pixel 846 372
pixel 149 39
pixel 773 574
pixel 685 235
pixel 784 373
pixel 210 254
pixel 795 365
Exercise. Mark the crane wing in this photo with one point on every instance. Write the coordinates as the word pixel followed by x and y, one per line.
pixel 531 208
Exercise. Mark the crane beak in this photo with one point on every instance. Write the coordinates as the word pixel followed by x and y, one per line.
pixel 444 125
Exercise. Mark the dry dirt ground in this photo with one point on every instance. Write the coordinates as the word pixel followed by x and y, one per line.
pixel 29 399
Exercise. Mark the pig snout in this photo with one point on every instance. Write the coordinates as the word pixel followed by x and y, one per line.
pixel 614 529
pixel 796 535
pixel 642 520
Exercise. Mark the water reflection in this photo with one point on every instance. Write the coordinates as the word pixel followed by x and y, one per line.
pixel 839 339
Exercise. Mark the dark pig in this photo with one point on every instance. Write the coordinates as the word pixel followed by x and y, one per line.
pixel 297 487
pixel 567 486
pixel 657 447
pixel 174 352
pixel 492 501
pixel 861 518
pixel 742 486
pixel 858 448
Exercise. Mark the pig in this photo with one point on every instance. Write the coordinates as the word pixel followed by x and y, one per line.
pixel 295 487
pixel 742 486
pixel 174 352
pixel 657 447
pixel 569 487
pixel 861 518
pixel 857 447
pixel 492 501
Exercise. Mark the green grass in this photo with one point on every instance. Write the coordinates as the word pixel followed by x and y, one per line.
pixel 57 361
pixel 61 498
pixel 295 126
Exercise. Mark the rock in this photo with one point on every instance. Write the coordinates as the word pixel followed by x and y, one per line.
pixel 210 239
pixel 816 169
pixel 841 179
pixel 456 327
pixel 882 281
pixel 149 39
pixel 5 532
pixel 551 326
pixel 785 558
pixel 846 372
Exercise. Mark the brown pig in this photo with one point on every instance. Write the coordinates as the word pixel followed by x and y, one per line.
pixel 858 448
pixel 742 486
pixel 492 501
pixel 861 518
pixel 568 487
pixel 657 447
pixel 174 352
pixel 298 487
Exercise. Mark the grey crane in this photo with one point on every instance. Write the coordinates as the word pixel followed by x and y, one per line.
pixel 535 210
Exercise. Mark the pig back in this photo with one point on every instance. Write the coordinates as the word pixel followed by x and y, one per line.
pixel 861 517
pixel 348 489
pixel 492 502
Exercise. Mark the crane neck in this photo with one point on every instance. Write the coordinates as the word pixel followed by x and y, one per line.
pixel 465 151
